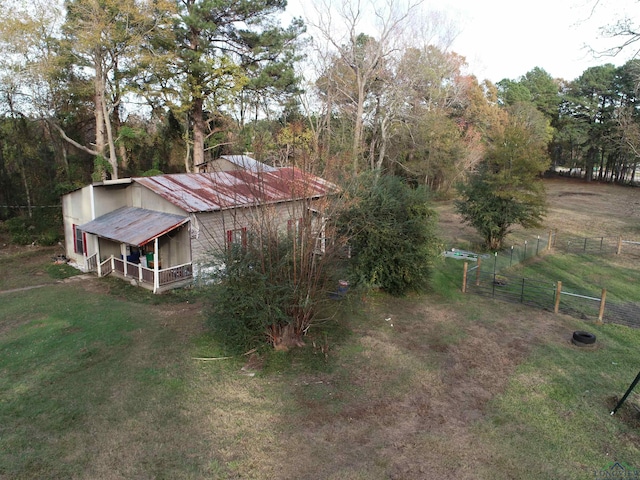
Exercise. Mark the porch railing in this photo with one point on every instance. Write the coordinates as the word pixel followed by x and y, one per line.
pixel 92 263
pixel 143 274
pixel 175 274
pixel 105 268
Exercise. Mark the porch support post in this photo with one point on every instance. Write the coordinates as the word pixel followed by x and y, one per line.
pixel 156 279
pixel 123 254
pixel 98 263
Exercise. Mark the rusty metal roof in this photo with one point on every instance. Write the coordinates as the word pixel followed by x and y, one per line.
pixel 206 192
pixel 133 226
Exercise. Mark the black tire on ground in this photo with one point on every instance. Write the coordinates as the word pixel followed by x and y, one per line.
pixel 583 338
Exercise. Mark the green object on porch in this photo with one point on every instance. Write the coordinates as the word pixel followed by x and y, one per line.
pixel 149 258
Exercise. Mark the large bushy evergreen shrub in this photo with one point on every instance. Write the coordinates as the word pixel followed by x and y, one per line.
pixel 391 231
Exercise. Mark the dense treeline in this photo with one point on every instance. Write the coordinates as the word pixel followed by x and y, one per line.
pixel 97 89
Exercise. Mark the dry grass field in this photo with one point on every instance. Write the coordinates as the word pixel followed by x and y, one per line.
pixel 426 387
pixel 574 207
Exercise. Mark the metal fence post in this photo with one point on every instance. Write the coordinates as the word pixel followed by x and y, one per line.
pixel 525 251
pixel 478 272
pixel 511 259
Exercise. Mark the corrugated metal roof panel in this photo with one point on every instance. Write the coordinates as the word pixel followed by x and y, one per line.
pixel 206 192
pixel 248 163
pixel 133 226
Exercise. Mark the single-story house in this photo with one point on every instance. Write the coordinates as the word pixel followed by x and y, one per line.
pixel 160 231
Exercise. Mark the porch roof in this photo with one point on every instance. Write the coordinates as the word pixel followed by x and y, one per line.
pixel 133 226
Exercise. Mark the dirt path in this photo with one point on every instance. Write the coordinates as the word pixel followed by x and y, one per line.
pixel 75 278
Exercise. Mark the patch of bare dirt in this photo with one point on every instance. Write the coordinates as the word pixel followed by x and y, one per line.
pixel 422 426
pixel 184 318
pixel 471 372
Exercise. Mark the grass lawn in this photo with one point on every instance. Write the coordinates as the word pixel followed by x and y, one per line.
pixel 101 380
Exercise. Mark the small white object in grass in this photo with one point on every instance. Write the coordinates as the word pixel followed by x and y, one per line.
pixel 391 324
pixel 387 319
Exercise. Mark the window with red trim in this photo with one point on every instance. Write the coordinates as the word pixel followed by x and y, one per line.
pixel 237 236
pixel 79 238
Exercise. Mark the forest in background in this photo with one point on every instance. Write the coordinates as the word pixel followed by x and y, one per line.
pixel 103 89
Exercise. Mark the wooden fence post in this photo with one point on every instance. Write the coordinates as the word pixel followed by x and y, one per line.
pixel 619 246
pixel 464 277
pixel 603 300
pixel 478 271
pixel 550 240
pixel 556 307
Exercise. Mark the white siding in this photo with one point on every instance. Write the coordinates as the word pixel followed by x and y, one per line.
pixel 76 210
pixel 209 230
pixel 142 197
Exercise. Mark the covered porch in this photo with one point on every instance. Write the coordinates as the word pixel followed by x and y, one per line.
pixel 149 248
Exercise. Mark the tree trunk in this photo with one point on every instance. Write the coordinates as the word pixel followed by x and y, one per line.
pixel 357 130
pixel 27 190
pixel 588 172
pixel 197 116
pixel 99 109
pixel 113 157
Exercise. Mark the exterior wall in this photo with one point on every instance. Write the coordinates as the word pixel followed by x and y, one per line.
pixel 142 197
pixel 209 230
pixel 221 165
pixel 84 205
pixel 108 198
pixel 76 210
pixel 174 248
pixel 108 248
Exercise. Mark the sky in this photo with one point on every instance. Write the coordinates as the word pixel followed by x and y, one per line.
pixel 507 38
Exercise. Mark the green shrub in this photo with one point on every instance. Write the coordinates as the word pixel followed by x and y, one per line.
pixel 49 238
pixel 391 230
pixel 43 227
pixel 268 292
pixel 20 230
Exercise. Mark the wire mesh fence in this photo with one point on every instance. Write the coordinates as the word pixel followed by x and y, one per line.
pixel 542 294
pixel 581 304
pixel 510 288
pixel 516 252
pixel 488 275
pixel 586 245
pixel 623 313
pixel 551 296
